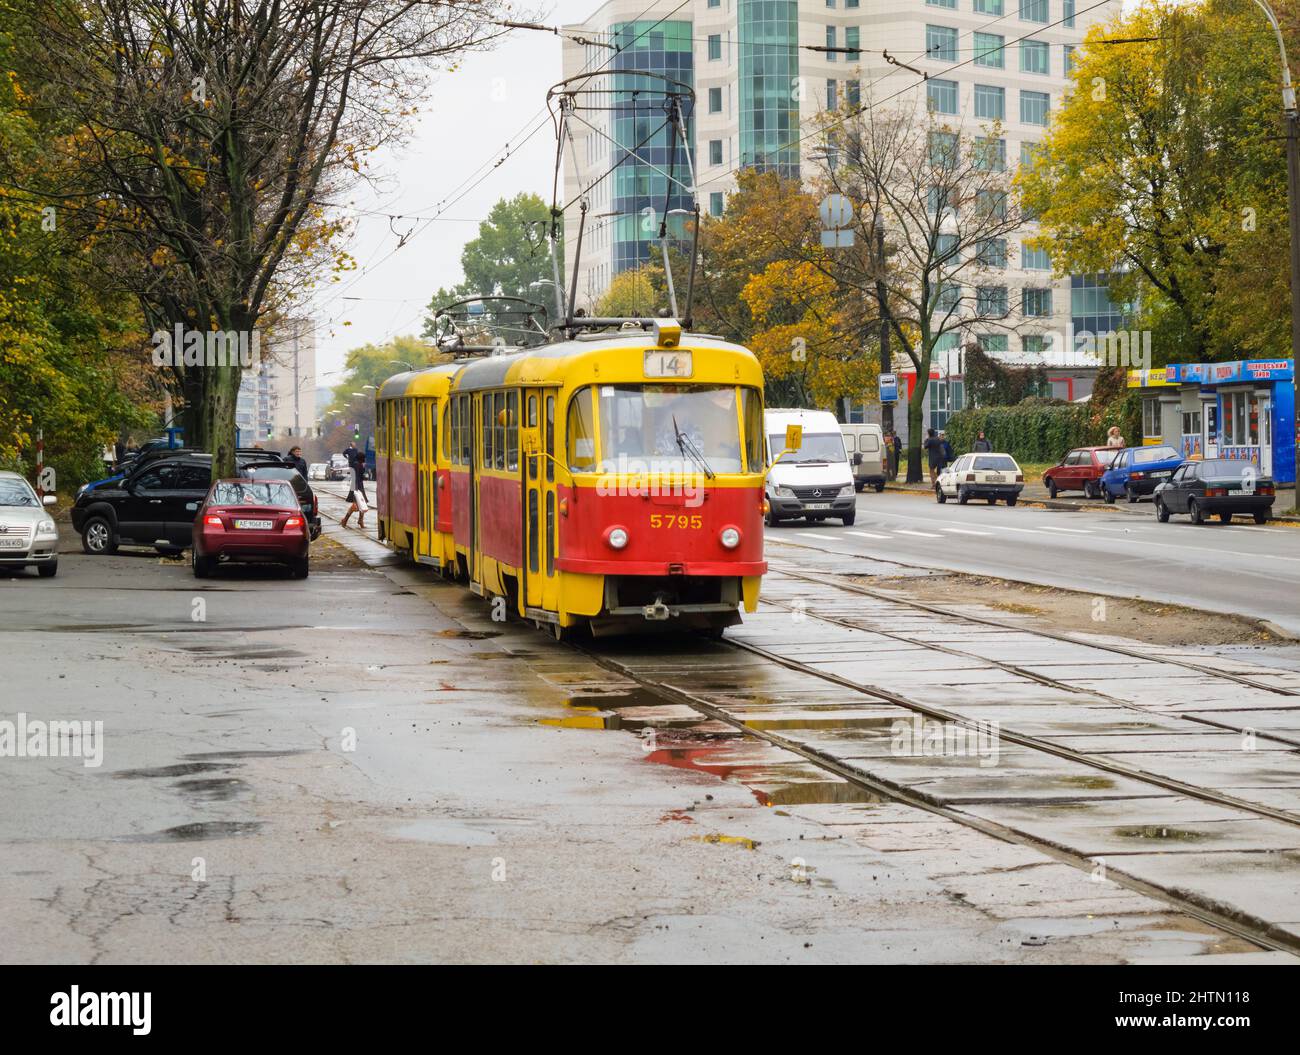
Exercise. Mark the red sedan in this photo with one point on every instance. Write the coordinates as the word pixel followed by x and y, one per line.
pixel 250 521
pixel 1080 470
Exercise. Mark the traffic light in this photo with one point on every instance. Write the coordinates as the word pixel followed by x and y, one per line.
pixel 356 432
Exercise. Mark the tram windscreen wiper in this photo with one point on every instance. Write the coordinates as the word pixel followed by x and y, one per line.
pixel 687 446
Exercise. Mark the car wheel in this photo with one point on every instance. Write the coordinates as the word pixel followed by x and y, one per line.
pixel 1225 518
pixel 1194 511
pixel 939 496
pixel 1260 517
pixel 98 537
pixel 1051 488
pixel 1130 493
pixel 962 496
pixel 298 569
pixel 1109 495
pixel 1011 500
pixel 202 566
pixel 1162 511
pixel 48 570
pixel 993 501
pixel 879 487
pixel 772 520
pixel 1090 489
pixel 849 518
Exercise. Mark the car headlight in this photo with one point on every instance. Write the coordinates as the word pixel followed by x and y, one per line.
pixel 846 490
pixel 783 492
pixel 616 537
pixel 82 490
pixel 46 527
pixel 729 537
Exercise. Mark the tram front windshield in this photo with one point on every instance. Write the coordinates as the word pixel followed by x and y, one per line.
pixel 668 429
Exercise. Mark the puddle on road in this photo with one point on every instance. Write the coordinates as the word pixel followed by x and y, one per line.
pixel 246 754
pixel 199 831
pixel 470 635
pixel 213 789
pixel 1159 831
pixel 180 770
pixel 1091 783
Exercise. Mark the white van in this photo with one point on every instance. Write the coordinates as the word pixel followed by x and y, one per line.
pixel 814 482
pixel 866 445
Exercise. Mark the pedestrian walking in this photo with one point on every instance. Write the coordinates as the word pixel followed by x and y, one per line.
pixel 933 454
pixel 1113 437
pixel 296 459
pixel 981 444
pixel 947 449
pixel 897 446
pixel 357 501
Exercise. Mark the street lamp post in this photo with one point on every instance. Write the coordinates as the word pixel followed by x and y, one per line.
pixel 1293 194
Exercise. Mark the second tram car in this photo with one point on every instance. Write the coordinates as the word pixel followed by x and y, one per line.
pixel 613 480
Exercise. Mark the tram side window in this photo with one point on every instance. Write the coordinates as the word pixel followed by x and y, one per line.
pixel 550 438
pixel 499 430
pixel 434 409
pixel 485 414
pixel 410 427
pixel 454 414
pixel 398 425
pixel 752 408
pixel 512 431
pixel 379 428
pixel 466 432
pixel 582 433
pixel 444 413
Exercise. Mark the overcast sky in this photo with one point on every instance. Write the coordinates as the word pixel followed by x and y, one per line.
pixel 465 122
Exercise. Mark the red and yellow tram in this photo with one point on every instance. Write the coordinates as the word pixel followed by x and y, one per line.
pixel 613 480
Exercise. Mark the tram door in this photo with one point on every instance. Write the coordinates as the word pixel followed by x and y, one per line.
pixel 541 504
pixel 426 441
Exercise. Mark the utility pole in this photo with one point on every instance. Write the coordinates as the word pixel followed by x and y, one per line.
pixel 886 357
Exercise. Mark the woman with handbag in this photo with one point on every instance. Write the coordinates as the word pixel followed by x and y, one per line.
pixel 357 502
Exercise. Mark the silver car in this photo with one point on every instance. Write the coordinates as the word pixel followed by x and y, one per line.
pixel 28 534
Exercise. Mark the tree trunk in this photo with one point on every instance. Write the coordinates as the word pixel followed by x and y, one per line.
pixel 220 397
pixel 915 427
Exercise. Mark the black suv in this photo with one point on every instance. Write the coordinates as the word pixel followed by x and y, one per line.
pixel 152 507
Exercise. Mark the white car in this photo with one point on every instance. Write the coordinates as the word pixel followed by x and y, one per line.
pixel 981 475
pixel 316 471
pixel 28 534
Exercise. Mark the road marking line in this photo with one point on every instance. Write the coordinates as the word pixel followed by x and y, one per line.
pixel 967 531
pixel 1075 531
pixel 919 534
pixel 827 538
pixel 865 534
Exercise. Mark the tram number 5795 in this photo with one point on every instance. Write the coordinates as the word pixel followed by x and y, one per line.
pixel 679 521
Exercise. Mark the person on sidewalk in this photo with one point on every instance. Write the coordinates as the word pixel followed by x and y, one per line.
pixel 296 459
pixel 1113 437
pixel 357 501
pixel 933 454
pixel 896 444
pixel 947 450
pixel 982 445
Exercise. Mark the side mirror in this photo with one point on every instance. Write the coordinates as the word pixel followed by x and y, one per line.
pixel 793 437
pixel 49 500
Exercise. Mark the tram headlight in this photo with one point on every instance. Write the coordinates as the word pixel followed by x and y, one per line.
pixel 616 537
pixel 729 537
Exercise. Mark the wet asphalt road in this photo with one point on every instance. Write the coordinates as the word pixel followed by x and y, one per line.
pixel 1238 568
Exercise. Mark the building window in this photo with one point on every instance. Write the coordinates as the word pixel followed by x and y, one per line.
pixel 941 96
pixel 852 38
pixel 1033 10
pixel 715 151
pixel 945 247
pixel 1033 343
pixel 990 154
pixel 991 301
pixel 940 43
pixel 853 92
pixel 851 3
pixel 1036 303
pixel 988 50
pixel 990 102
pixel 830 43
pixel 1034 108
pixel 1151 419
pixel 1067 13
pixel 715 100
pixel 1033 56
pixel 936 201
pixel 832 96
pixel 948 297
pixel 1027 154
pixel 715 203
pixel 943 149
pixel 715 46
pixel 1034 259
pixel 1069 59
pixel 991 252
pixel 830 3
pixel 951 4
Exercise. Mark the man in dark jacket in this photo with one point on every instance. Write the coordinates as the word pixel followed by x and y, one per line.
pixel 295 459
pixel 933 447
pixel 947 449
pixel 896 444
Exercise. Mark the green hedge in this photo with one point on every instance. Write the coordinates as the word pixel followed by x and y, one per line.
pixel 1030 431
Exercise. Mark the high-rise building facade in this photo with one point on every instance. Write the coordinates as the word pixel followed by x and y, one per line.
pixel 759 84
pixel 277 397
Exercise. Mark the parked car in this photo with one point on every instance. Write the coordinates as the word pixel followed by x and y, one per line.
pixel 1080 470
pixel 814 482
pixel 1137 471
pixel 28 535
pixel 291 476
pixel 152 507
pixel 866 447
pixel 1218 487
pixel 981 475
pixel 317 470
pixel 244 521
pixel 339 469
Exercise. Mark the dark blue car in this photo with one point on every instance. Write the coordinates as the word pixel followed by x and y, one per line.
pixel 1139 471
